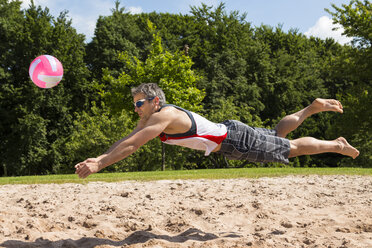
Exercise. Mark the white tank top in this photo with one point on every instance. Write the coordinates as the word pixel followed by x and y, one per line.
pixel 203 135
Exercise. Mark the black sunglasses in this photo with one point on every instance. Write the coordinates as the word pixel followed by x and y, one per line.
pixel 139 103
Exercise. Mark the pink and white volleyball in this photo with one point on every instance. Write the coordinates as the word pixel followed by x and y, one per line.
pixel 46 71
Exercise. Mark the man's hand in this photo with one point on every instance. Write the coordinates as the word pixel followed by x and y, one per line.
pixel 87 167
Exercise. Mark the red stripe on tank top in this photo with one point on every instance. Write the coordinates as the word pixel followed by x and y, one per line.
pixel 215 139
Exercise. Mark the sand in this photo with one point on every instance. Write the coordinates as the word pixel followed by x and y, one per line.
pixel 293 211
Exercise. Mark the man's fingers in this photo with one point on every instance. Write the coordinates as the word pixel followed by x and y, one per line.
pixel 79 165
pixel 80 168
pixel 85 174
pixel 83 171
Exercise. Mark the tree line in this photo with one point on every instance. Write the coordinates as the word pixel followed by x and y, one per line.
pixel 209 61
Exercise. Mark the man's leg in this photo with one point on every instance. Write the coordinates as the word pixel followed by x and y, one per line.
pixel 291 122
pixel 309 146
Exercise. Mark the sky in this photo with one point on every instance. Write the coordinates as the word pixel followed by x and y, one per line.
pixel 307 16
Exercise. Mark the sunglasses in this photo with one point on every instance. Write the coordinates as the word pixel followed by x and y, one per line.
pixel 139 103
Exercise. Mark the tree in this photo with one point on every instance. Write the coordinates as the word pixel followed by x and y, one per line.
pixel 33 119
pixel 223 48
pixel 113 34
pixel 355 67
pixel 172 72
pixel 93 131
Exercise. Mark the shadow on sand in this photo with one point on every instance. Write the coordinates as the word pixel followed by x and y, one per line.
pixel 137 237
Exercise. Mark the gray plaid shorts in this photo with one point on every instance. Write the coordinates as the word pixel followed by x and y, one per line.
pixel 253 144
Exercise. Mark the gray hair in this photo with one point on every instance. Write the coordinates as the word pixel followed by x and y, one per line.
pixel 150 90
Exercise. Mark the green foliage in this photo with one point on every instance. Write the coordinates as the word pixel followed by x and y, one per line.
pixel 290 76
pixel 113 34
pixel 256 76
pixel 355 65
pixel 357 107
pixel 93 133
pixel 172 72
pixel 356 19
pixel 33 119
pixel 230 70
pixel 221 47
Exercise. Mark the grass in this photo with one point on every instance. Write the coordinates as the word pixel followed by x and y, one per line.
pixel 186 175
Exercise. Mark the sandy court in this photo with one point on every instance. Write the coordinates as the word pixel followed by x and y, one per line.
pixel 292 211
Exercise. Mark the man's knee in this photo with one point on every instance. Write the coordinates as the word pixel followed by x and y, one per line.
pixel 293 150
pixel 280 132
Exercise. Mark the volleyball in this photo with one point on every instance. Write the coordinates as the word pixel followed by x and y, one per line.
pixel 46 71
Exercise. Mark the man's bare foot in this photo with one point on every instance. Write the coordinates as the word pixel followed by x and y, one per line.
pixel 347 149
pixel 320 105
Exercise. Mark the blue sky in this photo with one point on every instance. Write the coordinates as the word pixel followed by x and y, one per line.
pixel 308 16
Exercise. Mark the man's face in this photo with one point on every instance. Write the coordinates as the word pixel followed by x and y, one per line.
pixel 147 108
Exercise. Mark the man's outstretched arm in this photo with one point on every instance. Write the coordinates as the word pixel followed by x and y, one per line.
pixel 123 148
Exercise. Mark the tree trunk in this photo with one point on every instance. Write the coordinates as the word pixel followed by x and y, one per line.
pixel 163 156
pixel 5 170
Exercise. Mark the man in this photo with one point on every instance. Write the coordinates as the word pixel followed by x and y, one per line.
pixel 233 139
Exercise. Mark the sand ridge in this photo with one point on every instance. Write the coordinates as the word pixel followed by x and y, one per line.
pixel 292 211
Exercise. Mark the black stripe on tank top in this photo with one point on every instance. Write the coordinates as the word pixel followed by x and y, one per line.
pixel 190 132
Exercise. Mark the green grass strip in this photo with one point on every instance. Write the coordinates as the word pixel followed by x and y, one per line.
pixel 186 175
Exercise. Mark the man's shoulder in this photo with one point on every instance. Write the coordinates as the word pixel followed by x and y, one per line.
pixel 170 110
pixel 167 113
pixel 167 109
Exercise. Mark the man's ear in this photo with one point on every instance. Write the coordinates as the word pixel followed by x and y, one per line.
pixel 157 100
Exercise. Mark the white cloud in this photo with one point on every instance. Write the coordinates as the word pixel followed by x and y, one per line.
pixel 323 29
pixel 84 24
pixel 26 3
pixel 98 7
pixel 84 13
pixel 135 10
